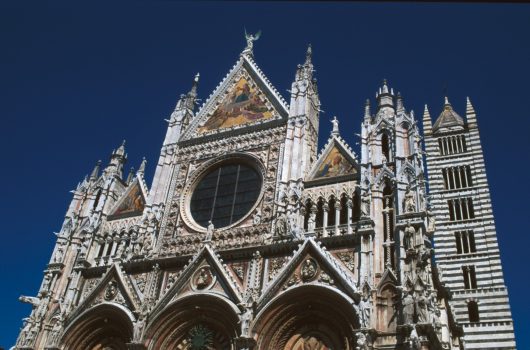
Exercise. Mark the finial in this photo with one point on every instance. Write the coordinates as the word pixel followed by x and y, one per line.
pixel 446 102
pixel 195 84
pixel 95 172
pixel 309 54
pixel 250 38
pixel 130 176
pixel 384 89
pixel 142 166
pixel 121 150
pixel 367 113
pixel 469 107
pixel 399 101
pixel 335 123
pixel 426 111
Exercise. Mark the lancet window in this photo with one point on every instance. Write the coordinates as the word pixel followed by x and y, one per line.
pixel 388 225
pixel 452 145
pixel 470 277
pixel 385 147
pixel 472 310
pixel 457 177
pixel 465 242
pixel 461 209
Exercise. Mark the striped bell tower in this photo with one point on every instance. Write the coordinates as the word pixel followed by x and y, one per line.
pixel 467 252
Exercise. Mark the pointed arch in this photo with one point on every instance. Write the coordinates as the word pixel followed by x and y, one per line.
pixel 173 327
pixel 309 314
pixel 105 325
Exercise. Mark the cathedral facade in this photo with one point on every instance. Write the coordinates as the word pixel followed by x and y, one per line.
pixel 250 237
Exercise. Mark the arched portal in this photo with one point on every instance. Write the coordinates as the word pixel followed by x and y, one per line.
pixel 195 322
pixel 307 318
pixel 105 327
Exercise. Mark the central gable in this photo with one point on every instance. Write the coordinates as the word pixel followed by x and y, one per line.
pixel 244 98
pixel 243 104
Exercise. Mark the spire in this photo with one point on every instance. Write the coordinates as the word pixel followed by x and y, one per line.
pixel 117 159
pixel 188 100
pixel 308 55
pixel 367 113
pixel 335 130
pixel 95 173
pixel 384 89
pixel 305 71
pixel 130 176
pixel 141 170
pixel 471 115
pixel 399 102
pixel 385 97
pixel 427 123
pixel 121 150
pixel 194 86
pixel 448 118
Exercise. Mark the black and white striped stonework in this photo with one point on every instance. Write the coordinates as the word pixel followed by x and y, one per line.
pixel 465 240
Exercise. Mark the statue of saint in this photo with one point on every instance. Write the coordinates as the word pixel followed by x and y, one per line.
pixel 250 38
pixel 410 232
pixel 408 309
pixel 409 203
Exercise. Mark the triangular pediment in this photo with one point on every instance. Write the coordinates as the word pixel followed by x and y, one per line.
pixel 244 98
pixel 336 160
pixel 113 287
pixel 204 274
pixel 310 264
pixel 131 203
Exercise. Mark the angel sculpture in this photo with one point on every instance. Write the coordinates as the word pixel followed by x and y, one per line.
pixel 250 40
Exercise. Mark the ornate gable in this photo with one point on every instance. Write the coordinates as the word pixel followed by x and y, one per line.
pixel 204 274
pixel 336 160
pixel 310 264
pixel 244 98
pixel 114 287
pixel 131 203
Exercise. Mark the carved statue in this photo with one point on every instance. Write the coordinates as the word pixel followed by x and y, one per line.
pixel 311 221
pixel 408 309
pixel 364 311
pixel 421 307
pixel 58 255
pixel 292 226
pixel 148 245
pixel 250 40
pixel 30 300
pixel 46 283
pixel 362 341
pixel 365 204
pixel 209 231
pixel 281 225
pixel 256 218
pixel 309 269
pixel 139 326
pixel 409 203
pixel 56 330
pixel 246 318
pixel 414 340
pixel 431 223
pixel 410 232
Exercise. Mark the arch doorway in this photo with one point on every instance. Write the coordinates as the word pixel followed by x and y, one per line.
pixel 307 318
pixel 105 327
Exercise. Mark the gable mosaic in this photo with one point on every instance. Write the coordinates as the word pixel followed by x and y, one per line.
pixel 243 104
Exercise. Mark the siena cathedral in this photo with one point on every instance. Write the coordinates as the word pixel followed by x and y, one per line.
pixel 250 237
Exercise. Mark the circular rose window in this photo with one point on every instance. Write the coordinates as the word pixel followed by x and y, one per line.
pixel 225 194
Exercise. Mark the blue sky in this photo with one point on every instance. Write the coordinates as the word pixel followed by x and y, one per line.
pixel 76 79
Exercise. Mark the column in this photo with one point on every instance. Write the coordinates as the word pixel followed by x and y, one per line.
pixel 325 208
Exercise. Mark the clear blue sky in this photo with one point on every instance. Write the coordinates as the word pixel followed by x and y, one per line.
pixel 76 79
